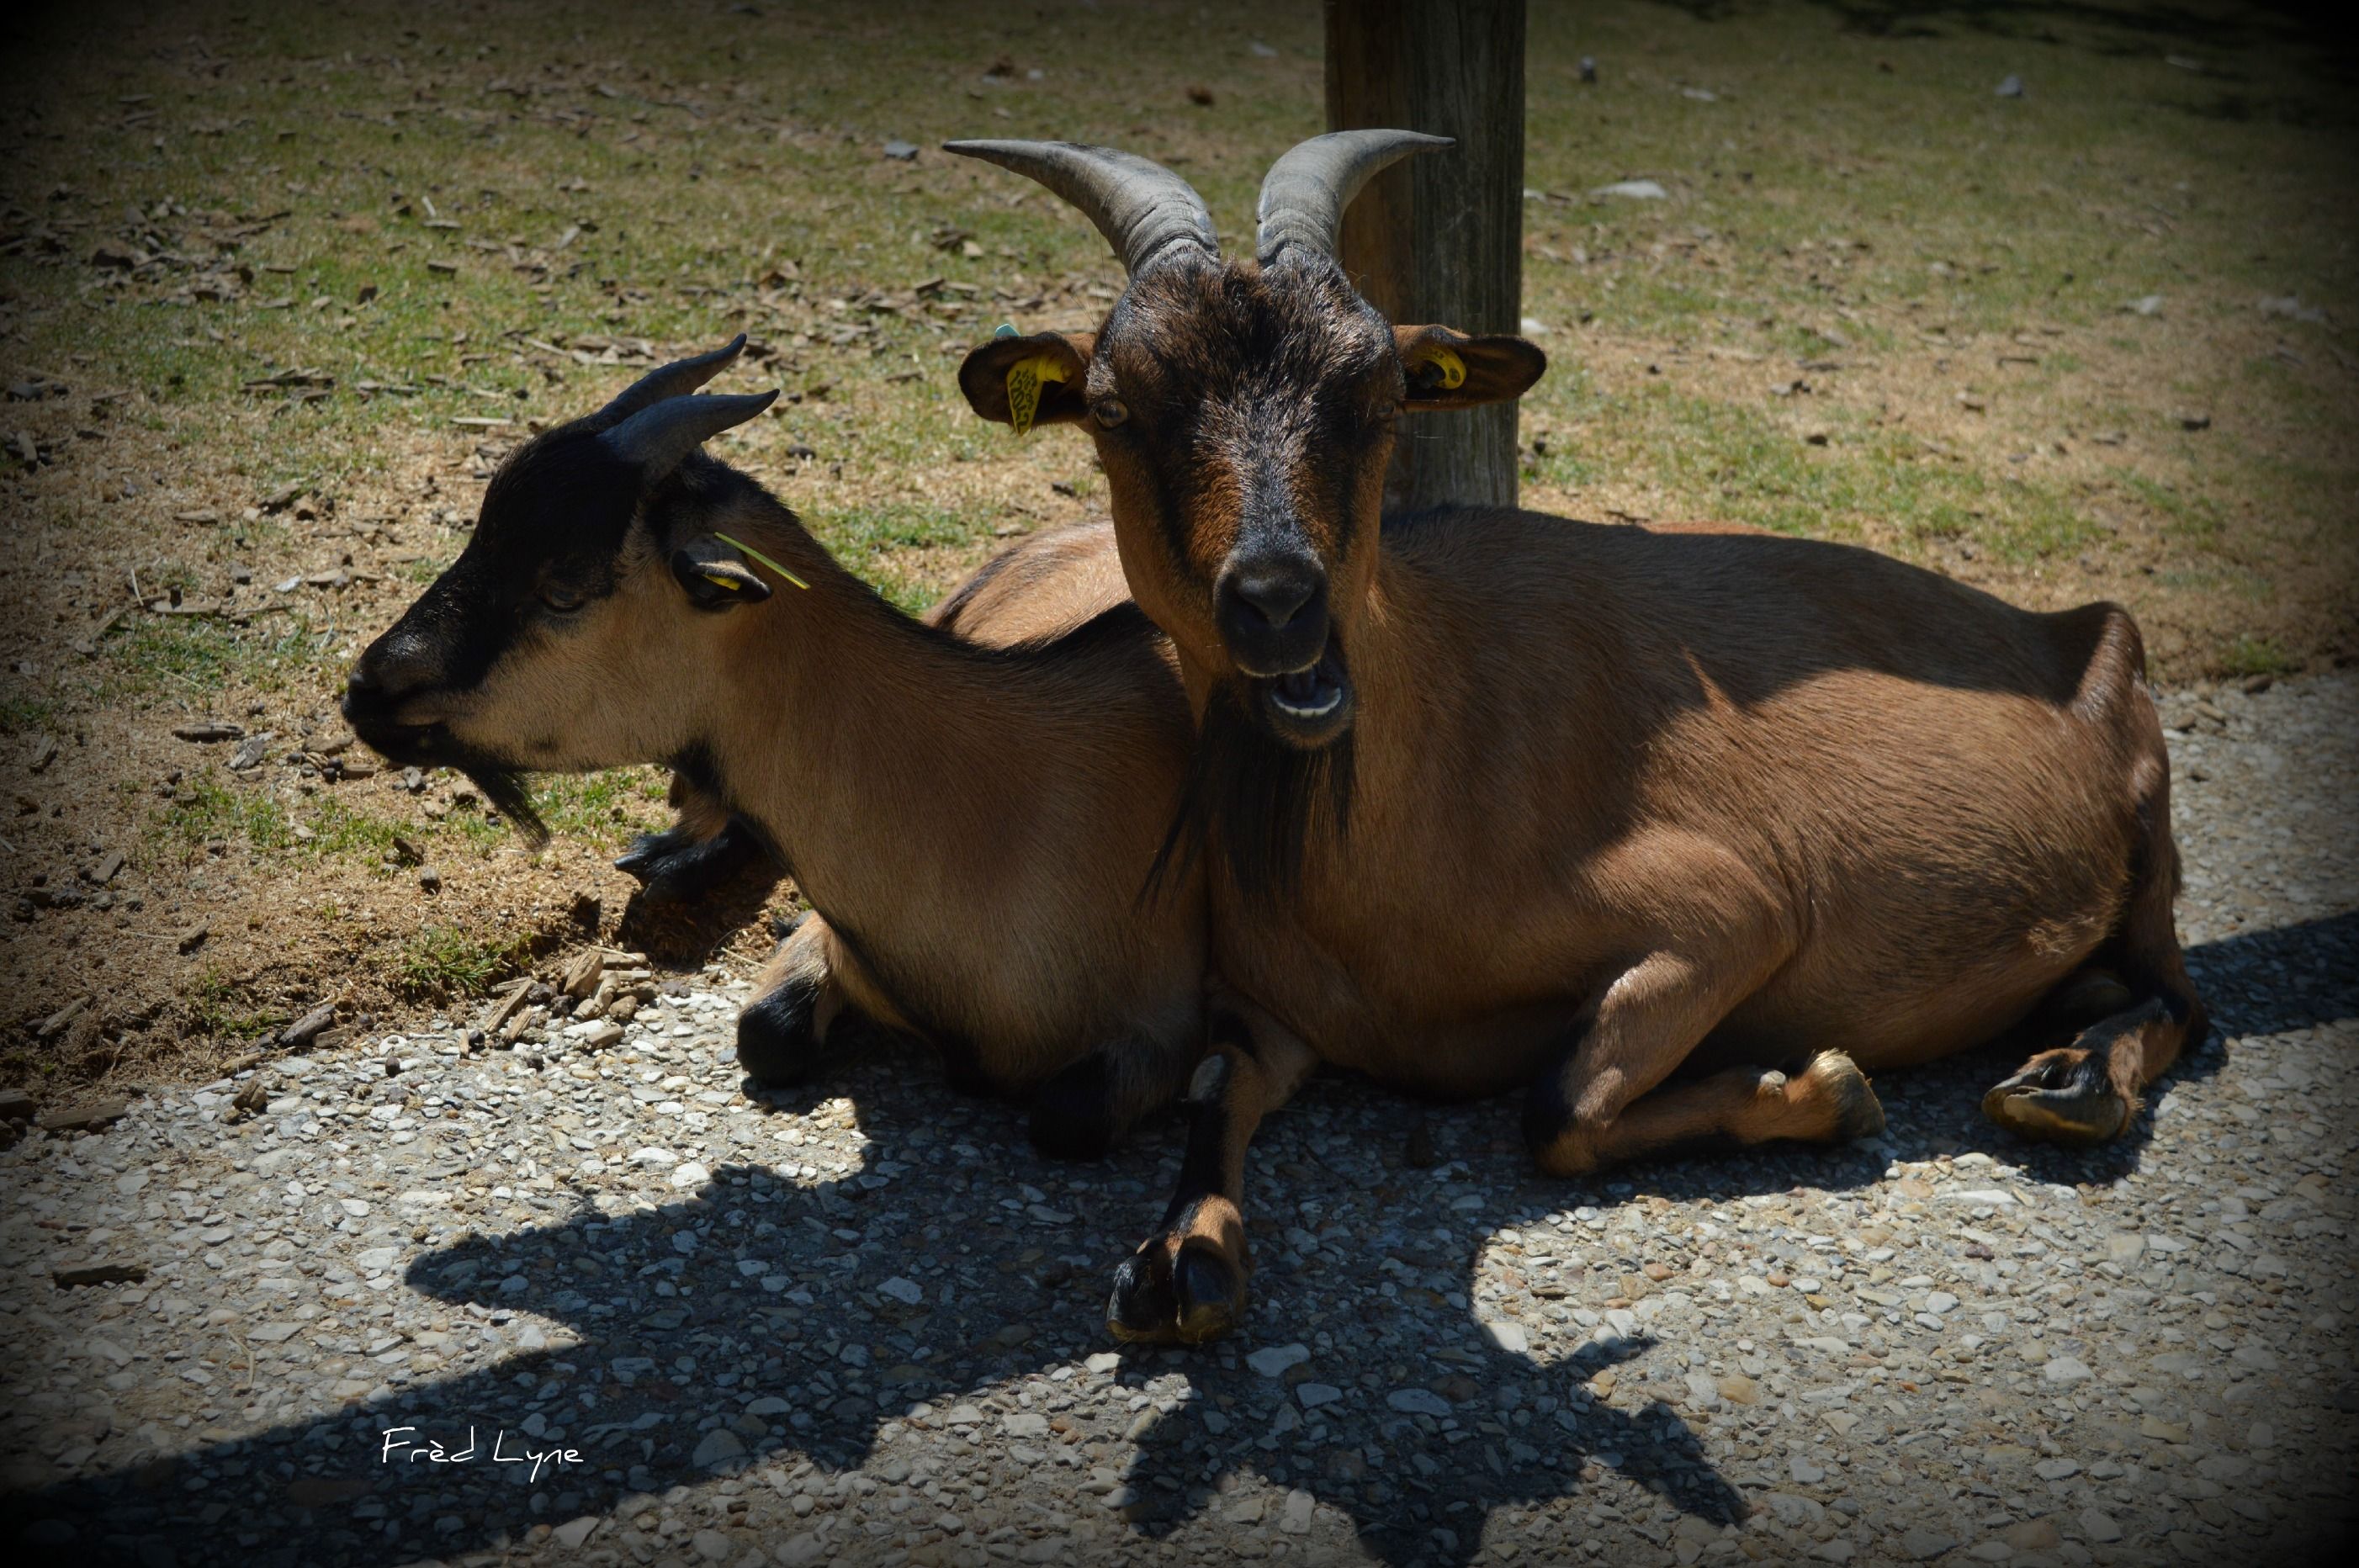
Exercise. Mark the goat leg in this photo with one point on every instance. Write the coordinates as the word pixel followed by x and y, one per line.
pixel 792 1030
pixel 1186 1283
pixel 1606 1100
pixel 2093 1090
pixel 676 867
pixel 1089 1105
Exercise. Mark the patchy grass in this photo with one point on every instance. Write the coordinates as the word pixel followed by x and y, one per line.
pixel 442 963
pixel 2258 655
pixel 606 810
pixel 209 809
pixel 220 1009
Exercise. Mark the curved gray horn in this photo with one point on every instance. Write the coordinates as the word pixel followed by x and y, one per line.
pixel 1141 207
pixel 678 379
pixel 1305 192
pixel 657 440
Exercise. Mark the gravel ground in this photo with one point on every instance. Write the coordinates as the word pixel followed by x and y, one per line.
pixel 867 1329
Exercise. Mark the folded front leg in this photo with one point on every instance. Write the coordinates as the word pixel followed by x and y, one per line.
pixel 1187 1282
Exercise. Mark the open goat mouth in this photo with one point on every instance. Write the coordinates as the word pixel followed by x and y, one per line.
pixel 1311 705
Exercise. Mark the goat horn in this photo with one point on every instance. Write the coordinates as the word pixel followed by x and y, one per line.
pixel 1305 193
pixel 1141 207
pixel 678 379
pixel 657 440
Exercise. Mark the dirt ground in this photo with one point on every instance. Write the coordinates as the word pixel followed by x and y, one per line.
pixel 278 287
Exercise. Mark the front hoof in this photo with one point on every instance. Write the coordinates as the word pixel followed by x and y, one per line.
pixel 2060 1096
pixel 648 853
pixel 697 871
pixel 1185 1294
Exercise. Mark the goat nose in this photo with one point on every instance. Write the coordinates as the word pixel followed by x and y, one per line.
pixel 1276 594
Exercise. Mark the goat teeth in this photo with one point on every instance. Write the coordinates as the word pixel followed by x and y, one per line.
pixel 1334 695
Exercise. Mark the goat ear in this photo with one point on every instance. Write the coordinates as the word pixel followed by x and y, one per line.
pixel 1447 369
pixel 984 377
pixel 715 576
pixel 658 437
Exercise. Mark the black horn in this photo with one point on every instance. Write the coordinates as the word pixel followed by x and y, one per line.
pixel 1305 192
pixel 678 379
pixel 657 440
pixel 1142 208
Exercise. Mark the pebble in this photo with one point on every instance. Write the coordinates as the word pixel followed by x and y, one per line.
pixel 1273 1361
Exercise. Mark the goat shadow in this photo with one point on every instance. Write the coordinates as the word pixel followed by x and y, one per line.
pixel 773 1304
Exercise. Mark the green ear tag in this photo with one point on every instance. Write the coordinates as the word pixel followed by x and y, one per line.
pixel 1005 329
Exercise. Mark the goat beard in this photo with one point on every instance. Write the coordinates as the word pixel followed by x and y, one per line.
pixel 1257 799
pixel 502 783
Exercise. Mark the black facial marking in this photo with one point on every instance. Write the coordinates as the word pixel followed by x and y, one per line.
pixel 1301 370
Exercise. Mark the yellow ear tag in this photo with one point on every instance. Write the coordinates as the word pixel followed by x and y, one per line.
pixel 1452 368
pixel 1024 378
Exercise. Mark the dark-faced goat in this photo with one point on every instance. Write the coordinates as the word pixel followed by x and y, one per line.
pixel 1678 830
pixel 970 807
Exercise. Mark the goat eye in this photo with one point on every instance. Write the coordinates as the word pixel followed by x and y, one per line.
pixel 1109 412
pixel 564 601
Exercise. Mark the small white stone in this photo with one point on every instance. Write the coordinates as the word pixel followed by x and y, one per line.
pixel 1272 1360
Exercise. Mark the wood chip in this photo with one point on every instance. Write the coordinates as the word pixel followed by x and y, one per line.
pixel 303 1031
pixel 90 1116
pixel 581 974
pixel 50 1027
pixel 70 1275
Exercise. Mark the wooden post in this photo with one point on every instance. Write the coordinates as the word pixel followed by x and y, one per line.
pixel 1439 238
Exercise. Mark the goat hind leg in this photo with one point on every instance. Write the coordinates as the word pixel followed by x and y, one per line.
pixel 1187 1282
pixel 2092 1090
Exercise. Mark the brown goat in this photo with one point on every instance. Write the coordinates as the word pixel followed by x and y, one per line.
pixel 1682 830
pixel 972 815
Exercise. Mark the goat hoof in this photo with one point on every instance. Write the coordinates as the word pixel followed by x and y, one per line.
pixel 684 874
pixel 649 851
pixel 778 1042
pixel 1073 1113
pixel 2060 1096
pixel 1185 1294
pixel 1857 1112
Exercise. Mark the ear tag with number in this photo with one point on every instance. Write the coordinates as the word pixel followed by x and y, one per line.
pixel 1446 361
pixel 1024 378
